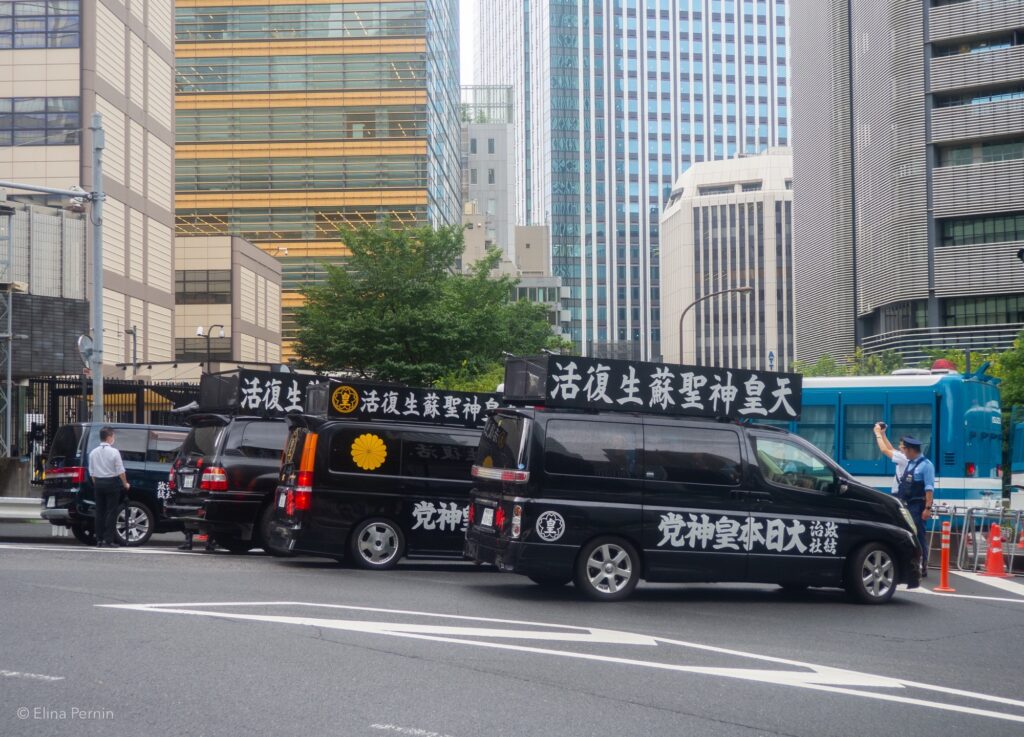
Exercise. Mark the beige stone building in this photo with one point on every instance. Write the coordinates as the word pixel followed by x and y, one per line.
pixel 227 282
pixel 61 61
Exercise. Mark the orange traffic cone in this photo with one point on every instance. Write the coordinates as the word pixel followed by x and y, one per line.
pixel 1020 538
pixel 994 560
pixel 944 586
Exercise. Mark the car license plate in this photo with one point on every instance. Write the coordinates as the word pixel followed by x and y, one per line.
pixel 51 502
pixel 487 517
pixel 188 481
pixel 281 500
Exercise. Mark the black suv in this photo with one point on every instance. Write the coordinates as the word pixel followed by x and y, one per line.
pixel 223 480
pixel 147 452
pixel 608 498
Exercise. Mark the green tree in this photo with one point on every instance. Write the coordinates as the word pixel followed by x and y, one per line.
pixel 398 310
pixel 1009 366
pixel 876 364
pixel 824 366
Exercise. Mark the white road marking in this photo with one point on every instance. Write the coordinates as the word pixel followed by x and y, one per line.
pixel 1006 584
pixel 29 676
pixel 93 549
pixel 413 731
pixel 923 590
pixel 797 674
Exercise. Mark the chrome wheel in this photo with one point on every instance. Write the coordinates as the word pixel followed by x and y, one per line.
pixel 140 525
pixel 378 545
pixel 878 574
pixel 607 569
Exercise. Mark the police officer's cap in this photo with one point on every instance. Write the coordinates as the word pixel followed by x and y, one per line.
pixel 911 442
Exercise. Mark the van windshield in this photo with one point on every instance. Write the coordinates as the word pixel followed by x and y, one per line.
pixel 504 442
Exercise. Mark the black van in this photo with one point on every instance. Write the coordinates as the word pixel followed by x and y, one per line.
pixel 222 482
pixel 372 486
pixel 147 452
pixel 606 498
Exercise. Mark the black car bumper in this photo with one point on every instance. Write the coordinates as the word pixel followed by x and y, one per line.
pixel 215 516
pixel 514 556
pixel 60 517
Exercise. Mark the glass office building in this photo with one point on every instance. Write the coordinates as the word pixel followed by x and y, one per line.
pixel 297 119
pixel 614 100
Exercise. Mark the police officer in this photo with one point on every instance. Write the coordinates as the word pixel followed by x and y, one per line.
pixel 108 478
pixel 916 489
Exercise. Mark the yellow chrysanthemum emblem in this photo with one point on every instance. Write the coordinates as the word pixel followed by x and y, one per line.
pixel 369 452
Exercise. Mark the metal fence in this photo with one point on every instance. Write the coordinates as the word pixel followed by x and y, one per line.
pixel 58 400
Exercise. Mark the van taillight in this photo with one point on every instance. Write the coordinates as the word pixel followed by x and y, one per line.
pixel 289 503
pixel 999 472
pixel 214 479
pixel 499 518
pixel 472 513
pixel 74 474
pixel 517 520
pixel 501 474
pixel 302 499
pixel 970 469
pixel 304 480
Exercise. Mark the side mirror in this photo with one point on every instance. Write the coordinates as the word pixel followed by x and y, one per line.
pixel 840 487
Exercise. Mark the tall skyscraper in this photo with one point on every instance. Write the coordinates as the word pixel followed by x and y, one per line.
pixel 61 61
pixel 908 159
pixel 298 119
pixel 613 100
pixel 732 222
pixel 488 163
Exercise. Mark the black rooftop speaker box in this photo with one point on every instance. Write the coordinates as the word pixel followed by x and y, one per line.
pixel 525 378
pixel 218 392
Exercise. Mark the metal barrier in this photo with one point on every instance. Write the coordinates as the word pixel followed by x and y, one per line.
pixel 972 543
pixel 16 509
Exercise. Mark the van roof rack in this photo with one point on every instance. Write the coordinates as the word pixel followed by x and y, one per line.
pixel 604 384
pixel 345 399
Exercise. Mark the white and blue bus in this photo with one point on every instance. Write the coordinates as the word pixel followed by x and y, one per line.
pixel 956 416
pixel 1017 458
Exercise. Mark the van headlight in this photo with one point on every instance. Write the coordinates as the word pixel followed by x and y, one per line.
pixel 908 518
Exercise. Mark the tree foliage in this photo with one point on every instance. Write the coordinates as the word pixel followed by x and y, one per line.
pixel 857 364
pixel 398 310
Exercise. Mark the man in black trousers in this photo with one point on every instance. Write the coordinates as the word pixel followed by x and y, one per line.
pixel 108 479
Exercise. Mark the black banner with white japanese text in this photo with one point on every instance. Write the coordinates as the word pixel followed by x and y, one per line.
pixel 273 392
pixel 702 391
pixel 363 400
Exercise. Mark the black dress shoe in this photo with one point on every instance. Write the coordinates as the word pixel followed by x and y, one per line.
pixel 924 573
pixel 185 546
pixel 101 544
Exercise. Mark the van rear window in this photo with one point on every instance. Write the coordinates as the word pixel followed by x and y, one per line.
pixel 504 442
pixel 66 444
pixel 202 440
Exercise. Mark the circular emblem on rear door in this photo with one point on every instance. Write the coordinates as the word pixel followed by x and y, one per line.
pixel 345 399
pixel 550 526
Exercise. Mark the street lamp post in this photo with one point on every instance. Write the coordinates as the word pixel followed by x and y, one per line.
pixel 746 289
pixel 208 335
pixel 133 331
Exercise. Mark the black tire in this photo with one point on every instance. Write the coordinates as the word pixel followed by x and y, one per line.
pixel 234 545
pixel 263 533
pixel 376 544
pixel 84 535
pixel 871 574
pixel 143 523
pixel 607 569
pixel 551 582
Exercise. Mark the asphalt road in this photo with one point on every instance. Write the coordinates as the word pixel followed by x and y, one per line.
pixel 156 642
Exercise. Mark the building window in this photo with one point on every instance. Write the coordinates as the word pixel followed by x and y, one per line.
pixel 789 184
pixel 472 145
pixel 472 176
pixel 998 94
pixel 976 46
pixel 492 206
pixel 195 349
pixel 39 121
pixel 990 310
pixel 1002 151
pixel 716 189
pixel 956 156
pixel 984 229
pixel 490 176
pixel 202 287
pixel 751 187
pixel 490 145
pixel 40 24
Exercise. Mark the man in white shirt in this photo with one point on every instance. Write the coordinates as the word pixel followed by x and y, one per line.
pixel 108 479
pixel 896 455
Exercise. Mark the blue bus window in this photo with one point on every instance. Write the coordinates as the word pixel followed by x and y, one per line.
pixel 914 420
pixel 818 427
pixel 858 435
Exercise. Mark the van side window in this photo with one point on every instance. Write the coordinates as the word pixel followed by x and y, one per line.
pixel 263 439
pixel 438 455
pixel 784 462
pixel 858 436
pixel 692 456
pixel 359 450
pixel 131 443
pixel 914 420
pixel 582 448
